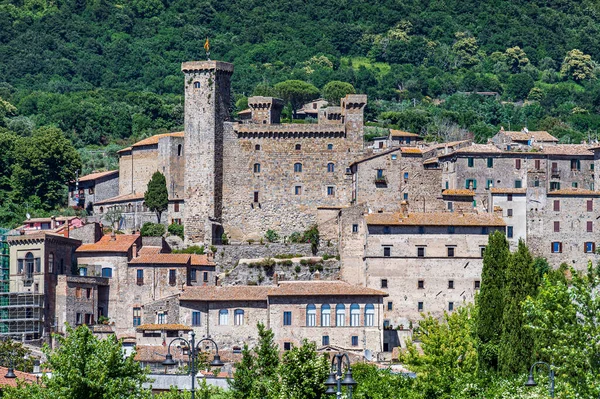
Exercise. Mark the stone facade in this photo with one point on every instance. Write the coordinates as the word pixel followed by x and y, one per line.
pixel 92 188
pixel 80 300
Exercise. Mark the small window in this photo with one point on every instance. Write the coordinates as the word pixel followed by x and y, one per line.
pixel 196 85
pixel 471 184
pixel 298 147
pixel 354 340
pixel 387 251
pixel 589 247
pixel 330 147
pixel 386 230
pixel 384 283
pixel 450 306
pixel 450 252
pixel 297 190
pixel 556 206
pixel 256 196
pixel 297 167
pixel 330 167
pixel 205 277
pixel 489 183
pixel 509 212
pixel 223 317
pixel 574 184
pixel 107 272
pixel 287 346
pixel 390 305
pixel 536 182
pixel 90 190
pixel 330 191
pixel 420 307
pixel 575 164
pixel 421 284
pixel 256 168
pixel 51 263
pixel 140 277
pixel 477 284
pixel 556 247
pixel 509 197
pixel 420 252
pixel 518 184
pixel 509 231
pixel 405 175
pixel 386 325
pixel 556 227
pixel 196 318
pixel 490 162
pixel 287 318
pixel 405 196
pixel 355 228
pixel 137 317
pixel 78 292
pixel 590 226
pixel 193 274
pixel 450 284
pixel 450 229
pixel 172 277
pixel 257 147
pixel 517 164
pixel 325 340
pixel 394 157
pixel 590 205
pixel 238 317
pixel 482 251
pixel 380 173
pixel 470 162
pixel 537 164
pixel 179 150
pixel 176 207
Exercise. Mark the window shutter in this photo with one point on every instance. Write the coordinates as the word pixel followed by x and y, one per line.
pixel 560 247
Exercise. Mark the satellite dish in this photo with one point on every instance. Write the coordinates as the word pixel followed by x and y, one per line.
pixel 368 355
pixel 28 216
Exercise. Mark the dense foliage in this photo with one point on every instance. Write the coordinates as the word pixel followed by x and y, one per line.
pixel 156 197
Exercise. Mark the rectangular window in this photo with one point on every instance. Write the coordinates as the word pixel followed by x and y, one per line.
pixel 509 197
pixel 140 277
pixel 387 251
pixel 78 319
pixel 176 207
pixel 477 284
pixel 589 247
pixel 394 157
pixel 470 162
pixel 447 185
pixel 330 191
pixel 405 196
pixel 386 230
pixel 489 183
pixel 20 266
pixel 450 306
pixel 556 205
pixel 556 227
pixel 196 318
pixel 450 206
pixel 38 265
pixel 379 173
pixel 325 340
pixel 205 277
pixel 89 319
pixel 355 228
pixel 298 190
pixel 536 182
pixel 193 273
pixel 575 164
pixel 517 164
pixel 256 196
pixel 538 164
pixel 482 251
pixel 590 205
pixel 88 293
pixel 471 184
pixel 384 283
pixel 509 212
pixel 161 318
pixel 509 231
pixel 172 277
pixel 450 229
pixel 490 162
pixel 450 284
pixel 390 305
pixel 405 175
pixel 450 252
pixel 554 185
pixel 83 271
pixel 518 184
pixel 287 346
pixel 354 340
pixel 556 247
pixel 78 292
pixel 223 317
pixel 287 318
pixel 590 226
pixel 421 252
pixel 420 306
pixel 137 316
pixel 421 284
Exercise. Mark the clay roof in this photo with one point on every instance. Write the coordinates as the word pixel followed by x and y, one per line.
pixel 401 133
pixel 245 111
pixel 41 235
pixel 379 154
pixel 158 259
pixel 575 192
pixel 449 144
pixel 157 353
pixel 321 288
pixel 431 160
pixel 459 191
pixel 121 198
pixel 58 219
pixel 231 293
pixel 121 243
pixel 508 190
pixel 149 250
pixel 12 382
pixel 201 260
pixel 124 150
pixel 540 135
pixel 434 219
pixel 98 175
pixel 411 150
pixel 163 327
pixel 479 149
pixel 154 139
pixel 567 149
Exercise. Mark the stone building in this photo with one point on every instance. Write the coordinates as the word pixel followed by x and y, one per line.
pixel 89 189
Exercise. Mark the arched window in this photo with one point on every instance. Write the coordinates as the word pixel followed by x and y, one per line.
pixel 298 167
pixel 107 272
pixel 298 147
pixel 354 315
pixel 238 317
pixel 325 315
pixel 179 150
pixel 29 264
pixel 330 147
pixel 369 315
pixel 223 317
pixel 196 85
pixel 340 315
pixel 330 167
pixel 311 315
pixel 256 168
pixel 101 209
pixel 51 263
pixel 257 147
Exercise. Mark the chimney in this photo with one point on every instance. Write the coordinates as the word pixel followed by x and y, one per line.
pixel 135 250
pixel 217 281
pixel 490 200
pixel 275 279
pixel 52 222
pixel 404 208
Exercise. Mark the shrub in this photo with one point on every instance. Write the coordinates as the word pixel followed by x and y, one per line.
pixel 271 235
pixel 327 257
pixel 295 237
pixel 297 269
pixel 250 241
pixel 312 235
pixel 288 256
pixel 213 249
pixel 252 282
pixel 193 249
pixel 285 262
pixel 224 239
pixel 176 230
pixel 152 230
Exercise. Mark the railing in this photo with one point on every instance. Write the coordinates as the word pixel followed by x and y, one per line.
pixel 381 180
pixel 140 281
pixel 555 172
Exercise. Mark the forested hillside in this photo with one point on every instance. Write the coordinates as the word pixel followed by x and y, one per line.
pixel 107 72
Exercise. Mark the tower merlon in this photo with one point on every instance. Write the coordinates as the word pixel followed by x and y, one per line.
pixel 354 101
pixel 221 66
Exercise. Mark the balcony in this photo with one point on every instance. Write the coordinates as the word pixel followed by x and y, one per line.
pixel 140 281
pixel 555 173
pixel 27 279
pixel 381 181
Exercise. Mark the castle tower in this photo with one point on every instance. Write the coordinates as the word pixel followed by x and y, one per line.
pixel 353 108
pixel 207 103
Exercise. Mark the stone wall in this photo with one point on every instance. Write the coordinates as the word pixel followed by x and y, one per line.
pixel 87 234
pixel 79 295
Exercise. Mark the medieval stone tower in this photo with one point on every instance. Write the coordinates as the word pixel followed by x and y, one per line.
pixel 207 102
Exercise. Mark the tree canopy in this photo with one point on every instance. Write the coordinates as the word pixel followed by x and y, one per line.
pixel 156 196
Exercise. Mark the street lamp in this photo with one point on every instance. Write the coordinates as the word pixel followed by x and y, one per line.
pixel 194 349
pixel 334 382
pixel 531 382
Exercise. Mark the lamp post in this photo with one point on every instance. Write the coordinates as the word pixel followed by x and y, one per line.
pixel 531 382
pixel 334 383
pixel 194 349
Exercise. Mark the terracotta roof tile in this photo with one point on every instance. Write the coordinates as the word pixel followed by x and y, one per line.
pixel 98 175
pixel 163 327
pixel 431 160
pixel 201 260
pixel 540 135
pixel 459 191
pixel 157 353
pixel 575 192
pixel 121 243
pixel 567 149
pixel 41 235
pixel 449 144
pixel 379 154
pixel 12 382
pixel 124 150
pixel 58 219
pixel 231 293
pixel 434 219
pixel 245 111
pixel 149 250
pixel 321 288
pixel 154 139
pixel 401 133
pixel 479 149
pixel 411 150
pixel 162 259
pixel 508 190
pixel 121 198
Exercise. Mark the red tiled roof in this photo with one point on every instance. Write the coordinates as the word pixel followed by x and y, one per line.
pixel 231 293
pixel 156 259
pixel 149 250
pixel 508 190
pixel 162 327
pixel 401 133
pixel 479 149
pixel 121 198
pixel 41 235
pixel 121 243
pixel 124 150
pixel 47 220
pixel 540 135
pixel 154 139
pixel 575 192
pixel 434 219
pixel 321 288
pixel 98 175
pixel 157 353
pixel 201 260
pixel 12 382
pixel 459 191
pixel 411 150
pixel 567 149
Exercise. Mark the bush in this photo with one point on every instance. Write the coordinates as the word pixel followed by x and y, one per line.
pixel 176 230
pixel 224 239
pixel 152 230
pixel 327 257
pixel 285 262
pixel 288 256
pixel 295 237
pixel 271 235
pixel 193 249
pixel 297 269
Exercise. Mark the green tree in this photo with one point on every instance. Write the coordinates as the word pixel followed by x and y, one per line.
pixel 84 366
pixel 374 383
pixel 578 65
pixel 303 373
pixel 296 93
pixel 519 86
pixel 156 196
pixel 516 343
pixel 245 374
pixel 152 230
pixel 336 90
pixel 515 58
pixel 15 354
pixel 465 47
pixel 490 300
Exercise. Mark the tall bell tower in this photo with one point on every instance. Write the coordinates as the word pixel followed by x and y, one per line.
pixel 207 103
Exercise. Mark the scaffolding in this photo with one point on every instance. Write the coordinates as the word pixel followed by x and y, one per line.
pixel 4 262
pixel 21 315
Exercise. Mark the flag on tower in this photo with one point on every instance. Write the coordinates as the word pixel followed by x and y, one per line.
pixel 207 45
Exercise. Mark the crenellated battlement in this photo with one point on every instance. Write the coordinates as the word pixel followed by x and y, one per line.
pixel 289 130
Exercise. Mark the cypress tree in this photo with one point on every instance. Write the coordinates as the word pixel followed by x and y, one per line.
pixel 491 300
pixel 157 196
pixel 517 344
